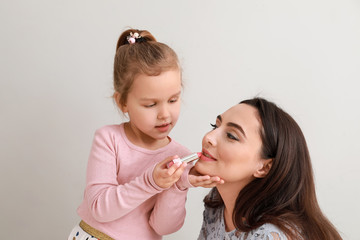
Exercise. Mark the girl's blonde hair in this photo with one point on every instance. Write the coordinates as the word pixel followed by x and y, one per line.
pixel 147 56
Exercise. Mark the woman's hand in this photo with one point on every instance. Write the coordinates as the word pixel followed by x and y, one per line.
pixel 205 181
pixel 165 177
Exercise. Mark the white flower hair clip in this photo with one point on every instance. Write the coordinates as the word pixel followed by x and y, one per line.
pixel 134 37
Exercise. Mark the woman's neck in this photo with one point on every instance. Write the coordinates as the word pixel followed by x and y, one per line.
pixel 228 219
pixel 229 193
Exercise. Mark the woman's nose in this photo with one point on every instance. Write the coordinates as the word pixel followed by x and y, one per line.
pixel 210 138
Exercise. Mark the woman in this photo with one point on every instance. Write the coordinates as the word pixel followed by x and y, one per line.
pixel 269 193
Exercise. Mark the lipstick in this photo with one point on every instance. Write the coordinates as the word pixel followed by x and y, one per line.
pixel 187 159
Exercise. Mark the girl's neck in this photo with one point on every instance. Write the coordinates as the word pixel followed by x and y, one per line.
pixel 144 141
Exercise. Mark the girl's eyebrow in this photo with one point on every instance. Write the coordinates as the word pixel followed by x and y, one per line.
pixel 176 94
pixel 153 99
pixel 231 124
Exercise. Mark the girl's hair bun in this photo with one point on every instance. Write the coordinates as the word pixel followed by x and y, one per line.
pixel 131 36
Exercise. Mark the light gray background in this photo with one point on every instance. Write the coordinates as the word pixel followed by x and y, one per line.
pixel 56 82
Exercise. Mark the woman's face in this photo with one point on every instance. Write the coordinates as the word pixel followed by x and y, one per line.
pixel 232 149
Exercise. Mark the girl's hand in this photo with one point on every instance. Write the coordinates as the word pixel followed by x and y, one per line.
pixel 205 181
pixel 165 177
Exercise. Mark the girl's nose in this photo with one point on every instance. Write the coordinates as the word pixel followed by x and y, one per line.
pixel 164 112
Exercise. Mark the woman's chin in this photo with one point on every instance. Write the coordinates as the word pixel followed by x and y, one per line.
pixel 200 168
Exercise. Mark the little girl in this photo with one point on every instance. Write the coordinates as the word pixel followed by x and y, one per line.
pixel 130 193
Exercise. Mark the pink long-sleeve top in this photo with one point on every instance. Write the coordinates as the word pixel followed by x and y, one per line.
pixel 121 198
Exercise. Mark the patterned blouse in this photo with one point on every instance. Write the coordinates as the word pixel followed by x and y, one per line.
pixel 213 228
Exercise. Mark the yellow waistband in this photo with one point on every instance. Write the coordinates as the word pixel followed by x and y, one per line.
pixel 94 232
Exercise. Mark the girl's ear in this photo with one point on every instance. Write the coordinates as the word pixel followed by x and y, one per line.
pixel 117 98
pixel 264 168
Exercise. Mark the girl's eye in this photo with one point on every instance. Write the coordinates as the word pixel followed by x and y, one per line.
pixel 213 126
pixel 232 137
pixel 150 105
pixel 173 100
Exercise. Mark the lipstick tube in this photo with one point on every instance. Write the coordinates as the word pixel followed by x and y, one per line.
pixel 187 159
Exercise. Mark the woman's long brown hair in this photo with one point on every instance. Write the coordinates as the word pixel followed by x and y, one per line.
pixel 286 196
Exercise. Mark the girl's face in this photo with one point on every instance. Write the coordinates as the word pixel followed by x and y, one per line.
pixel 232 149
pixel 153 106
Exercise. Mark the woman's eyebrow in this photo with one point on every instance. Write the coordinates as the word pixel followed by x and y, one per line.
pixel 231 124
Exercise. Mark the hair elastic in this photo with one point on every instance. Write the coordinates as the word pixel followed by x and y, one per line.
pixel 134 38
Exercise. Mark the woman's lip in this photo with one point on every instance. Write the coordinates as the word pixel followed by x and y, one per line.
pixel 206 156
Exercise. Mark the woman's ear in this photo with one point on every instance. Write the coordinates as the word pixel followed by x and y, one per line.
pixel 264 168
pixel 117 98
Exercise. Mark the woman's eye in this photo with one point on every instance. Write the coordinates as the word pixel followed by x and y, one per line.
pixel 232 137
pixel 213 126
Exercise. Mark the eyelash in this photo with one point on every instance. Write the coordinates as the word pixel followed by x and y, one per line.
pixel 170 101
pixel 232 137
pixel 149 106
pixel 173 100
pixel 228 135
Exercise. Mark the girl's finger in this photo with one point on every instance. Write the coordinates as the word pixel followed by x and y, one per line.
pixel 180 167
